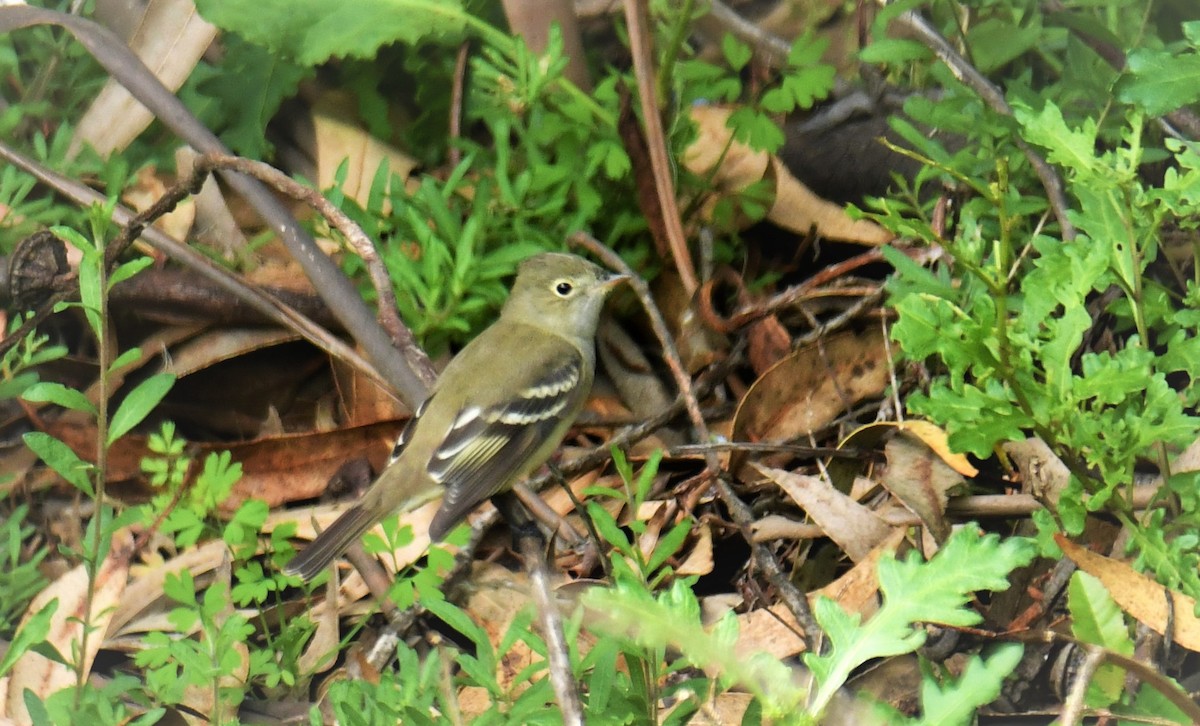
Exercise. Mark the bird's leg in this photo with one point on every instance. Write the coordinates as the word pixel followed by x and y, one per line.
pixel 524 528
pixel 531 546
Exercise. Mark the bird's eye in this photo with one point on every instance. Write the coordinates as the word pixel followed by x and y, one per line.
pixel 563 288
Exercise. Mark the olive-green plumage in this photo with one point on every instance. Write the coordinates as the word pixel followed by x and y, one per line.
pixel 497 412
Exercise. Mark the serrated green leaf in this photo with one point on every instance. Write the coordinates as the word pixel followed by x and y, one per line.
pixel 313 31
pixel 138 404
pixel 980 683
pixel 914 591
pixel 1159 82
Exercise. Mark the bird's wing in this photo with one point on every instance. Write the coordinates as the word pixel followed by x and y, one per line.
pixel 489 445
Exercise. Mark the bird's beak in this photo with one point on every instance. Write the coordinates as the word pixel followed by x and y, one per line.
pixel 612 282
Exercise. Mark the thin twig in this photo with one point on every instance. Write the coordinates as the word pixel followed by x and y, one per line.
pixel 385 294
pixel 638 24
pixel 741 513
pixel 1073 704
pixel 267 305
pixel 456 102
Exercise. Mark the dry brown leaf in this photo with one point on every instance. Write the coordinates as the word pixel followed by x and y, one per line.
pixel 496 597
pixel 43 676
pixel 773 630
pixel 147 189
pixel 700 560
pixel 852 526
pixel 340 141
pixel 795 206
pixel 809 389
pixel 210 348
pixel 921 480
pixel 170 39
pixel 144 593
pixel 292 467
pixel 1139 595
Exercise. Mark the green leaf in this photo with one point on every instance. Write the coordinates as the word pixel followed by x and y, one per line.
pixel 935 591
pixel 313 31
pixel 59 457
pixel 894 50
pixel 59 395
pixel 955 702
pixel 125 359
pixel 127 270
pixel 1160 82
pixel 737 53
pixel 30 634
pixel 996 41
pixel 1097 619
pixel 138 404
pixel 245 93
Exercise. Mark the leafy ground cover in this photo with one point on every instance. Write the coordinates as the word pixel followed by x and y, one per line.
pixel 902 428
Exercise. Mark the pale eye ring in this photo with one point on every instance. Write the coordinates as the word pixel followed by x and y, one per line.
pixel 563 288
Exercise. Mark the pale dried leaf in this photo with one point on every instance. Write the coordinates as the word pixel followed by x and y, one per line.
pixel 43 676
pixel 339 141
pixel 700 560
pixel 852 526
pixel 795 206
pixel 170 40
pixel 921 480
pixel 144 593
pixel 1139 595
pixel 773 630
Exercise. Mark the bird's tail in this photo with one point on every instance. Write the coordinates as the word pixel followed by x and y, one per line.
pixel 332 542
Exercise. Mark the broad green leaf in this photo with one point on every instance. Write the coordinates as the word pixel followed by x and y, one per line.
pixel 313 31
pixel 995 42
pixel 127 270
pixel 1160 82
pixel 737 53
pixel 138 404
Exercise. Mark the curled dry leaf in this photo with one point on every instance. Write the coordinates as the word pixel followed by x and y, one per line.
pixel 809 389
pixel 43 676
pixel 795 208
pixel 921 480
pixel 852 526
pixel 1139 595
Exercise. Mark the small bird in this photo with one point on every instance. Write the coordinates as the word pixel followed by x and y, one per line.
pixel 496 413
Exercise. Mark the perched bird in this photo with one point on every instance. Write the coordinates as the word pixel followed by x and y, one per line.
pixel 497 412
